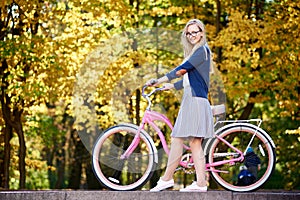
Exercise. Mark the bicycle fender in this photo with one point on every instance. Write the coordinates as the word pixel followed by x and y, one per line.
pixel 234 125
pixel 148 138
pixel 258 129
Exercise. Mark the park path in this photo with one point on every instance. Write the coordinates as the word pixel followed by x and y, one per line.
pixel 146 195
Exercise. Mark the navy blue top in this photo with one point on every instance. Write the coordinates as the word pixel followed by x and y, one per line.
pixel 197 67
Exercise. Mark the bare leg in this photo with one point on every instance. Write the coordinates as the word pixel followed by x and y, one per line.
pixel 199 160
pixel 174 158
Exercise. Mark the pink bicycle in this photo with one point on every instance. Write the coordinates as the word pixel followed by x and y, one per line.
pixel 125 156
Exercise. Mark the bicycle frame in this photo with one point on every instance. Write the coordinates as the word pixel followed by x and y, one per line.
pixel 151 116
pixel 258 121
pixel 230 161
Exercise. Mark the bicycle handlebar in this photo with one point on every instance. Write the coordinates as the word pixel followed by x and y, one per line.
pixel 146 96
pixel 152 92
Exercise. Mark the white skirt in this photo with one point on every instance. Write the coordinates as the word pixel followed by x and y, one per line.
pixel 195 118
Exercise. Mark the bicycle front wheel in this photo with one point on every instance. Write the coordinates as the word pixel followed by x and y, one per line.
pixel 242 137
pixel 123 174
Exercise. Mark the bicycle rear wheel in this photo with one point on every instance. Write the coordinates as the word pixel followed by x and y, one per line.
pixel 227 175
pixel 123 174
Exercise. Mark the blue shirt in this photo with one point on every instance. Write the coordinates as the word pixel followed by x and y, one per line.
pixel 197 67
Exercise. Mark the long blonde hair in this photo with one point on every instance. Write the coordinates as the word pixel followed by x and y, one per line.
pixel 188 48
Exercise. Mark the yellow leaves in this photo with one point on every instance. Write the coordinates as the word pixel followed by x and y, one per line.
pixel 93 69
pixel 294 132
pixel 259 98
pixel 35 164
pixel 259 55
pixel 157 11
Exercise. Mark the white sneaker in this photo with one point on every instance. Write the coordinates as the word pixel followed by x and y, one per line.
pixel 194 188
pixel 161 185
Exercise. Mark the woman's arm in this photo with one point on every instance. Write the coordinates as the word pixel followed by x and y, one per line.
pixel 154 82
pixel 162 80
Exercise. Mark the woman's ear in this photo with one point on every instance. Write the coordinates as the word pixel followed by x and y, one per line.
pixel 201 33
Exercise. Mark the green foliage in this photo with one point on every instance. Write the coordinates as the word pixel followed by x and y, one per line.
pixel 287 150
pixel 47 139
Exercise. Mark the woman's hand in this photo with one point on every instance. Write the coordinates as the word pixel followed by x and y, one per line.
pixel 155 82
pixel 151 82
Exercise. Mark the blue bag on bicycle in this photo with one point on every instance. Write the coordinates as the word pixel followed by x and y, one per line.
pixel 245 177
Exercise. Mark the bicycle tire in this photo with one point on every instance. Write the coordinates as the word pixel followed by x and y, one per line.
pixel 239 135
pixel 123 174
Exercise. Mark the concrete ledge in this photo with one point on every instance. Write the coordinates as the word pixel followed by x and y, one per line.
pixel 146 195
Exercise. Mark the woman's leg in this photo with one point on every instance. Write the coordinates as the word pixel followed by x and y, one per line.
pixel 174 158
pixel 199 160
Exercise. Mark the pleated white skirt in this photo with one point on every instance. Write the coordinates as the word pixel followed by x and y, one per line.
pixel 195 118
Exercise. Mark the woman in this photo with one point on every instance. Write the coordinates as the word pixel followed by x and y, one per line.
pixel 194 121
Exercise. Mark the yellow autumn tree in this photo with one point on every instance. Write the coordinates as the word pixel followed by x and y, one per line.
pixel 260 66
pixel 260 57
pixel 42 46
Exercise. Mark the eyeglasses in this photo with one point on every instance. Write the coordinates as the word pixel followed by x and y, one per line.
pixel 193 33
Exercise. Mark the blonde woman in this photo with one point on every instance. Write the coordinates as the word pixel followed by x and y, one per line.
pixel 194 121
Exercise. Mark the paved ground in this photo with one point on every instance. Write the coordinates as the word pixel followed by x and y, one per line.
pixel 146 195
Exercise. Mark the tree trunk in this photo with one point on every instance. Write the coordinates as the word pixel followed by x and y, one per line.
pixel 49 157
pixel 7 131
pixel 248 109
pixel 22 155
pixel 22 148
pixel 16 124
pixel 92 181
pixel 6 161
pixel 218 29
pixel 60 166
pixel 12 121
pixel 76 163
